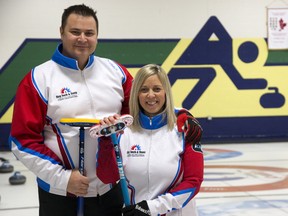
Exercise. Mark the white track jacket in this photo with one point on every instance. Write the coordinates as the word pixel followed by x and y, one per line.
pixel 59 89
pixel 161 169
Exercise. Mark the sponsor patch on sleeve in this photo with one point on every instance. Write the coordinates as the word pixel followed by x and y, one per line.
pixel 197 147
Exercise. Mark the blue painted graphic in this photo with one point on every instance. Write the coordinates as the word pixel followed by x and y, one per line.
pixel 272 100
pixel 210 154
pixel 243 208
pixel 205 51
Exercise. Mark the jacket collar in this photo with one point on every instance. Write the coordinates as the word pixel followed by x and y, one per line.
pixel 154 122
pixel 67 62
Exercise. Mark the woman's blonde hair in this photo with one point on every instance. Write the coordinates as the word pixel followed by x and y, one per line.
pixel 134 105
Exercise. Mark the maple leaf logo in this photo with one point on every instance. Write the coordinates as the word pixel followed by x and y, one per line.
pixel 282 24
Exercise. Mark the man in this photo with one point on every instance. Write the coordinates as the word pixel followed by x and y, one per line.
pixel 73 84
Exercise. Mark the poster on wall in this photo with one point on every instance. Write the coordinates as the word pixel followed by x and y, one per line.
pixel 277 28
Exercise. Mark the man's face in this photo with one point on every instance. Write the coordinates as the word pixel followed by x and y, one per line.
pixel 79 37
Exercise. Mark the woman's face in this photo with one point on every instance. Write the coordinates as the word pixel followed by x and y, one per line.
pixel 152 96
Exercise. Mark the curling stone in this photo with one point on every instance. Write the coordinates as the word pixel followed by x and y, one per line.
pixel 17 179
pixel 6 167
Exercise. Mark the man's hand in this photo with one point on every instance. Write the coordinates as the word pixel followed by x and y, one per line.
pixel 140 209
pixel 78 184
pixel 190 126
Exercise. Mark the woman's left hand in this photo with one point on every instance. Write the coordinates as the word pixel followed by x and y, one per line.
pixel 190 126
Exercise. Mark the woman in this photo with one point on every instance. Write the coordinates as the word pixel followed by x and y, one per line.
pixel 164 172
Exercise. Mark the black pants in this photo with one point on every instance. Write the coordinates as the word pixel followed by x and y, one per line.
pixel 109 204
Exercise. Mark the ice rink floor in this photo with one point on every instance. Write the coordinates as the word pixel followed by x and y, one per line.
pixel 240 179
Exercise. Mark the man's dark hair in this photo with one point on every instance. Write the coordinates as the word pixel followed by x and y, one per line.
pixel 82 10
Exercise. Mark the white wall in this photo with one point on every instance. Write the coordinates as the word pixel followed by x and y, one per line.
pixel 20 19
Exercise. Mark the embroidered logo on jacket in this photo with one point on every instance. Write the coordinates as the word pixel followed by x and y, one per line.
pixel 136 151
pixel 66 93
pixel 197 147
